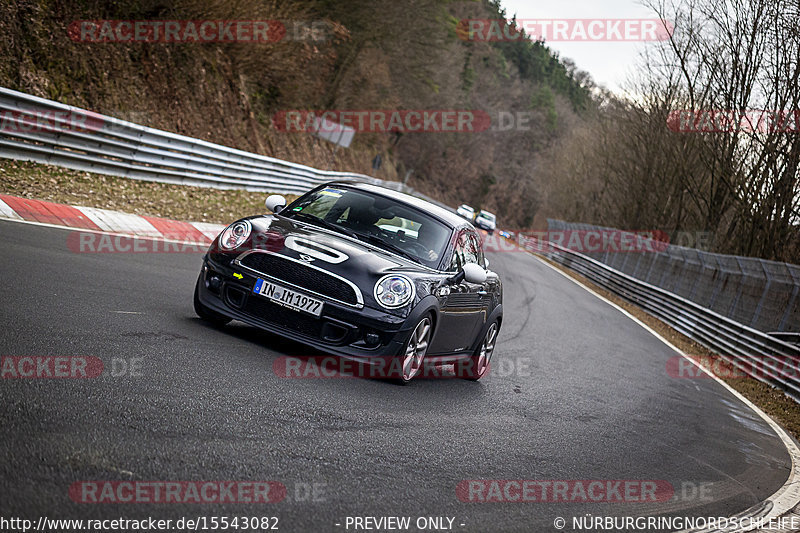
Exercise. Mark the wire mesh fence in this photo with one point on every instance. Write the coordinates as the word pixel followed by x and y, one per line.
pixel 755 292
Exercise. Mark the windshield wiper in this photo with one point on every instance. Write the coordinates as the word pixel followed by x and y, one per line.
pixel 389 246
pixel 311 219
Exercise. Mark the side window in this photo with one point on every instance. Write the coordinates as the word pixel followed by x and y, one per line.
pixel 471 249
pixel 478 248
pixel 458 260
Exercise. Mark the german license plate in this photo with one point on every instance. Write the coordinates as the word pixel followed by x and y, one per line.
pixel 287 297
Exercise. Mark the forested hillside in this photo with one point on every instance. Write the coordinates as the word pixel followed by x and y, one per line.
pixel 376 55
pixel 557 146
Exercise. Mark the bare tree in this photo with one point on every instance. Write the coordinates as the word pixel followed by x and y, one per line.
pixel 738 178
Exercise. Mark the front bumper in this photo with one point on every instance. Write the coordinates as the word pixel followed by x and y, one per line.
pixel 340 329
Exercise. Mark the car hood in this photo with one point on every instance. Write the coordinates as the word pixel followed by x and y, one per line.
pixel 325 249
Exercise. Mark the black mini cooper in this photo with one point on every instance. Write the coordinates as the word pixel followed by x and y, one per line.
pixel 362 272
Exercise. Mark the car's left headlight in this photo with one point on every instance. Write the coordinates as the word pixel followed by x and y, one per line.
pixel 394 291
pixel 235 235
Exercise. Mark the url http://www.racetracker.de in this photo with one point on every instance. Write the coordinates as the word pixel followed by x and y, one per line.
pixel 198 523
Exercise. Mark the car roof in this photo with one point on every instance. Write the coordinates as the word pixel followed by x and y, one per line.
pixel 445 215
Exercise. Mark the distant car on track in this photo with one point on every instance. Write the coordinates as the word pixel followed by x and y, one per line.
pixel 466 211
pixel 486 221
pixel 359 271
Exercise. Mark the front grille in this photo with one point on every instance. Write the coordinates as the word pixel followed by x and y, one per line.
pixel 309 278
pixel 262 309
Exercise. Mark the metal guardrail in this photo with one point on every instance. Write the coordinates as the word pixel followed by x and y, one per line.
pixel 762 294
pixel 44 131
pixel 753 352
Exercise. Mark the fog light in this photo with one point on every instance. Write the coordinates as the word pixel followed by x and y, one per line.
pixel 372 339
pixel 214 283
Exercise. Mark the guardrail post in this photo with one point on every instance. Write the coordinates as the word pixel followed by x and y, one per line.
pixel 664 271
pixel 636 266
pixel 764 292
pixel 624 261
pixel 788 310
pixel 653 261
pixel 678 278
pixel 718 284
pixel 698 276
pixel 732 309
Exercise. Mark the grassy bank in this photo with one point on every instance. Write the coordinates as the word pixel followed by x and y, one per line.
pixel 179 202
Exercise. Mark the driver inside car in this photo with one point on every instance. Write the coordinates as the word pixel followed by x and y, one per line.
pixel 428 240
pixel 362 219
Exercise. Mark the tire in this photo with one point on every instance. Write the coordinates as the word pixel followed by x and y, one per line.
pixel 479 362
pixel 414 351
pixel 212 317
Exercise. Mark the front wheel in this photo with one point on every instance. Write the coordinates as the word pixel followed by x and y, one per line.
pixel 204 312
pixel 415 350
pixel 479 362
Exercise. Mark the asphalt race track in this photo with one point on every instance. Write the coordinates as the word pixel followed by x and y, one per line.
pixel 578 391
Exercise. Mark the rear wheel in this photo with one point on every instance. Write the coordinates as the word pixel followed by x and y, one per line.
pixel 479 363
pixel 416 347
pixel 204 312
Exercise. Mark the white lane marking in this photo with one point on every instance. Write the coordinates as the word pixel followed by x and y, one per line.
pixel 96 217
pixel 99 232
pixel 209 230
pixel 119 222
pixel 7 212
pixel 786 497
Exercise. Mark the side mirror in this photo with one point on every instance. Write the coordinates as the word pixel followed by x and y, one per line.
pixel 275 202
pixel 474 273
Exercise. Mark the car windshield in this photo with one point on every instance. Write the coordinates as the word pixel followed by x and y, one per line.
pixel 487 216
pixel 381 221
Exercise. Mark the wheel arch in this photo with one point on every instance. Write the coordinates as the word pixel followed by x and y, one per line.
pixel 496 314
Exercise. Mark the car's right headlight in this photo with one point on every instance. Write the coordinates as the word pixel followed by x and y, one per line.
pixel 235 235
pixel 394 291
